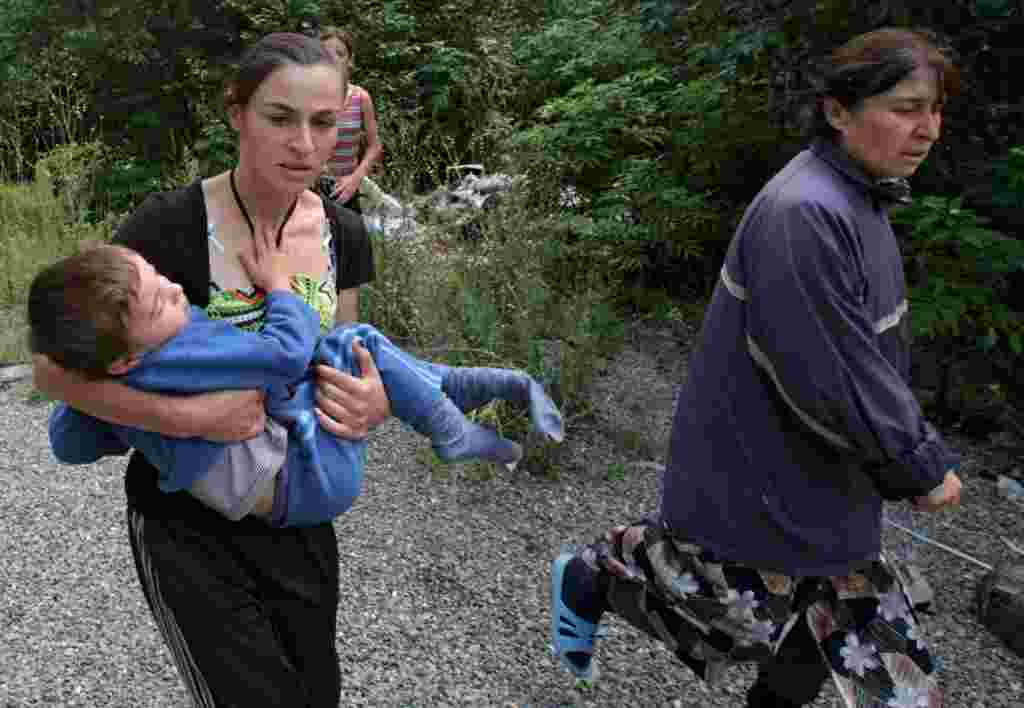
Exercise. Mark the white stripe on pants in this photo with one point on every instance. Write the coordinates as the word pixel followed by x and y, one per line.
pixel 165 622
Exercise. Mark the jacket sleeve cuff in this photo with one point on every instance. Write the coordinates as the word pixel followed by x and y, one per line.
pixel 918 471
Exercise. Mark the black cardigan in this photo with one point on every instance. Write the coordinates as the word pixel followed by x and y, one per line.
pixel 170 231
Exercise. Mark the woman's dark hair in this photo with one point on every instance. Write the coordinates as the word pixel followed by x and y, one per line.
pixel 873 63
pixel 271 53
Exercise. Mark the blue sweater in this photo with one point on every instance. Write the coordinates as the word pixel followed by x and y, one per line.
pixel 212 355
pixel 796 418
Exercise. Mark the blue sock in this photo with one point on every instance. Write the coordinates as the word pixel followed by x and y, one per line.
pixel 470 387
pixel 454 437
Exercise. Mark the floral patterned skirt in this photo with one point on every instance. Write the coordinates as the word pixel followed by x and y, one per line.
pixel 863 622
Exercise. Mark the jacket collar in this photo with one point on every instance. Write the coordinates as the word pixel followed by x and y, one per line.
pixel 888 190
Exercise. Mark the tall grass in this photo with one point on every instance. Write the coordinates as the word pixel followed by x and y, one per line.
pixel 34 232
pixel 501 300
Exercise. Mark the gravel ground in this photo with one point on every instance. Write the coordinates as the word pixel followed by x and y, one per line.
pixel 444 582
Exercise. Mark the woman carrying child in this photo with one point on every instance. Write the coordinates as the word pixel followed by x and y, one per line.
pixel 247 610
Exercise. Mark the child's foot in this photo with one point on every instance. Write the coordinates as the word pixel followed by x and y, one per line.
pixel 576 608
pixel 454 437
pixel 472 386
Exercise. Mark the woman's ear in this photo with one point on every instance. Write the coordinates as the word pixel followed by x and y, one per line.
pixel 837 115
pixel 124 364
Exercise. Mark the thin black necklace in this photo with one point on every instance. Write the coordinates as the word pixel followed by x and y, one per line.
pixel 248 220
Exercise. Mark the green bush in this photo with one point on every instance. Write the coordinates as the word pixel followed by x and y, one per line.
pixel 956 298
pixel 70 171
pixel 35 234
pixel 124 182
pixel 1009 180
pixel 581 41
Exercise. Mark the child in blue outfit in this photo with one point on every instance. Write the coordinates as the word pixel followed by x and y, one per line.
pixel 107 312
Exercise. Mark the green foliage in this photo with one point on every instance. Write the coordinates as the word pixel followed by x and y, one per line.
pixel 595 124
pixel 961 254
pixel 639 141
pixel 46 104
pixel 1009 180
pixel 261 17
pixel 479 320
pixel 124 182
pixel 445 70
pixel 70 172
pixel 584 40
pixel 720 122
pixel 396 300
pixel 993 8
pixel 35 234
pixel 217 149
pixel 17 19
pixel 734 50
pixel 616 472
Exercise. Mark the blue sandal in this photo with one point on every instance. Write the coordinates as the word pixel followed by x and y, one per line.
pixel 569 631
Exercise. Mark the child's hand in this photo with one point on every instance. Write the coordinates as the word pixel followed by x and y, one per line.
pixel 270 266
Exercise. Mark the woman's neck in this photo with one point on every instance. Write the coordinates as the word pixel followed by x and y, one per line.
pixel 266 206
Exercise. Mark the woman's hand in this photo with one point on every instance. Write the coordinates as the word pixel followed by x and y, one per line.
pixel 345 188
pixel 349 406
pixel 617 536
pixel 946 494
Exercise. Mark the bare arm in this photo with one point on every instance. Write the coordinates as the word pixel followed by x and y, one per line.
pixel 347 186
pixel 223 416
pixel 348 306
pixel 374 149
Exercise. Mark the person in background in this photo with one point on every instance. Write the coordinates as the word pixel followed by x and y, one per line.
pixel 358 148
pixel 247 610
pixel 795 422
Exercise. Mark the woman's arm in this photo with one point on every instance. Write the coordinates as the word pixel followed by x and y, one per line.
pixel 374 149
pixel 347 186
pixel 818 344
pixel 348 306
pixel 222 416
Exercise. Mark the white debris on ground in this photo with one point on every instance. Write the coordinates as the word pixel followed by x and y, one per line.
pixel 469 188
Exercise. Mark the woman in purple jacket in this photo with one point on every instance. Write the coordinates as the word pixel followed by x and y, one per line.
pixel 795 422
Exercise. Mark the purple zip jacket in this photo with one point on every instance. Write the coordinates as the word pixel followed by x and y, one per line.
pixel 796 418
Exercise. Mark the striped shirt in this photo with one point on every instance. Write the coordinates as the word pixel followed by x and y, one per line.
pixel 350 126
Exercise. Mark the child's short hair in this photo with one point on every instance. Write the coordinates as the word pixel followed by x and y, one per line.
pixel 78 309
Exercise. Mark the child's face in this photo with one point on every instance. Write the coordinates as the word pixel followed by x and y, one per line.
pixel 160 311
pixel 339 51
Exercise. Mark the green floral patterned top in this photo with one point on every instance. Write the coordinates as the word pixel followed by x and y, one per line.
pixel 245 308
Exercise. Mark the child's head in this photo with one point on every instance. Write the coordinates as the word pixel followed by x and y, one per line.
pixel 98 311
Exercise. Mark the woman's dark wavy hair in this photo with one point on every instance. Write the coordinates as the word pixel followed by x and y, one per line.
pixel 267 55
pixel 873 63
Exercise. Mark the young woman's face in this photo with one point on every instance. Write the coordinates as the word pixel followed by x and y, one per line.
pixel 890 133
pixel 287 130
pixel 339 51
